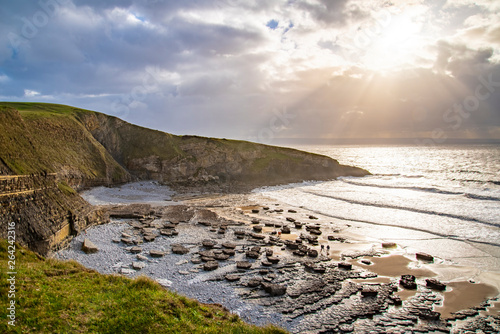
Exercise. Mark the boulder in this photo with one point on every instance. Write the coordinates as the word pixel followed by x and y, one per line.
pixel 221 257
pixel 292 211
pixel 156 253
pixel 252 255
pixel 424 257
pixel 167 233
pixel 207 243
pixel 232 278
pixel 435 284
pixel 179 249
pixel 229 252
pixel 141 257
pixel 255 210
pixel 149 237
pixel 312 253
pixel 255 221
pixel 274 289
pixel 138 265
pixel 135 250
pixel 298 225
pixel 211 265
pixel 408 282
pixel 125 271
pixel 257 228
pixel 229 245
pixel 243 265
pixel 345 265
pixel 389 245
pixel 273 259
pixel 254 282
pixel 313 217
pixel 285 230
pixel 290 219
pixel 89 247
pixel 369 292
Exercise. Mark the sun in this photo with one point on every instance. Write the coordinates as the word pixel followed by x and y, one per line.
pixel 392 46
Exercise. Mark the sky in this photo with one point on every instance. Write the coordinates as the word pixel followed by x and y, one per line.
pixel 262 70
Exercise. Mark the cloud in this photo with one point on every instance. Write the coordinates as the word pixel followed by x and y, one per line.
pixel 225 67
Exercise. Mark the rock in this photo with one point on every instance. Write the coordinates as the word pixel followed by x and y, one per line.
pixel 312 253
pixel 396 300
pixel 313 217
pixel 273 259
pixel 315 231
pixel 291 245
pixel 135 250
pixel 179 249
pixel 116 240
pixel 232 278
pixel 285 230
pixel 195 260
pixel 408 282
pixel 254 282
pixel 221 257
pixel 206 253
pixel 211 265
pixel 156 253
pixel 291 220
pixel 141 257
pixel 167 233
pixel 127 241
pixel 255 211
pixel 299 253
pixel 126 235
pixel 89 247
pixel 435 284
pixel 345 265
pixel 298 225
pixel 243 265
pixel 169 226
pixel 138 265
pixel 184 272
pixel 424 257
pixel 369 292
pixel 258 236
pixel 257 228
pixel 126 271
pixel 229 245
pixel 149 237
pixel 229 252
pixel 367 262
pixel 252 255
pixel 207 243
pixel 319 269
pixel 269 224
pixel 207 258
pixel 278 210
pixel 292 211
pixel 389 245
pixel 204 223
pixel 255 221
pixel 274 289
pixel 269 252
pixel 265 208
pixel 266 263
pixel 239 232
pixel 428 314
pixel 164 282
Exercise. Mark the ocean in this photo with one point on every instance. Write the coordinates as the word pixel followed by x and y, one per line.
pixel 444 194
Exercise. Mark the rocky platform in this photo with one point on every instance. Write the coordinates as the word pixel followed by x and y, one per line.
pixel 288 279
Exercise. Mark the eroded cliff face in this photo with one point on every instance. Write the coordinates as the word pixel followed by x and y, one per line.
pixel 191 161
pixel 47 213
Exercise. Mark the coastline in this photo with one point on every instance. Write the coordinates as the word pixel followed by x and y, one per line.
pixel 256 307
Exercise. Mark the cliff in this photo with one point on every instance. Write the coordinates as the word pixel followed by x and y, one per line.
pixel 57 148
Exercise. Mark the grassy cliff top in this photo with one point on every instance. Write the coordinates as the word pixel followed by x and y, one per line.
pixel 64 297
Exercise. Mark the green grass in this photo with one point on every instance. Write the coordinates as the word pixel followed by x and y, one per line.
pixel 63 297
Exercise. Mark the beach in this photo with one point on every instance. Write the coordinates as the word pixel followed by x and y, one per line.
pixel 321 292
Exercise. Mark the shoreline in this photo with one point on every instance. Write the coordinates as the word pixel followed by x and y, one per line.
pixel 242 300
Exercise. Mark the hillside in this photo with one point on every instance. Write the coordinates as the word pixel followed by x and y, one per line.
pixel 87 148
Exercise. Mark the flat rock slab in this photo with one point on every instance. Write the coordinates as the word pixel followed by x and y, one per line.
pixel 125 271
pixel 138 265
pixel 179 249
pixel 435 284
pixel 274 289
pixel 232 278
pixel 211 265
pixel 229 245
pixel 424 257
pixel 135 250
pixel 243 265
pixel 156 253
pixel 89 247
pixel 164 282
pixel 209 243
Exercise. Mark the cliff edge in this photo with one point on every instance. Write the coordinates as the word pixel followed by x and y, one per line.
pixel 65 148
